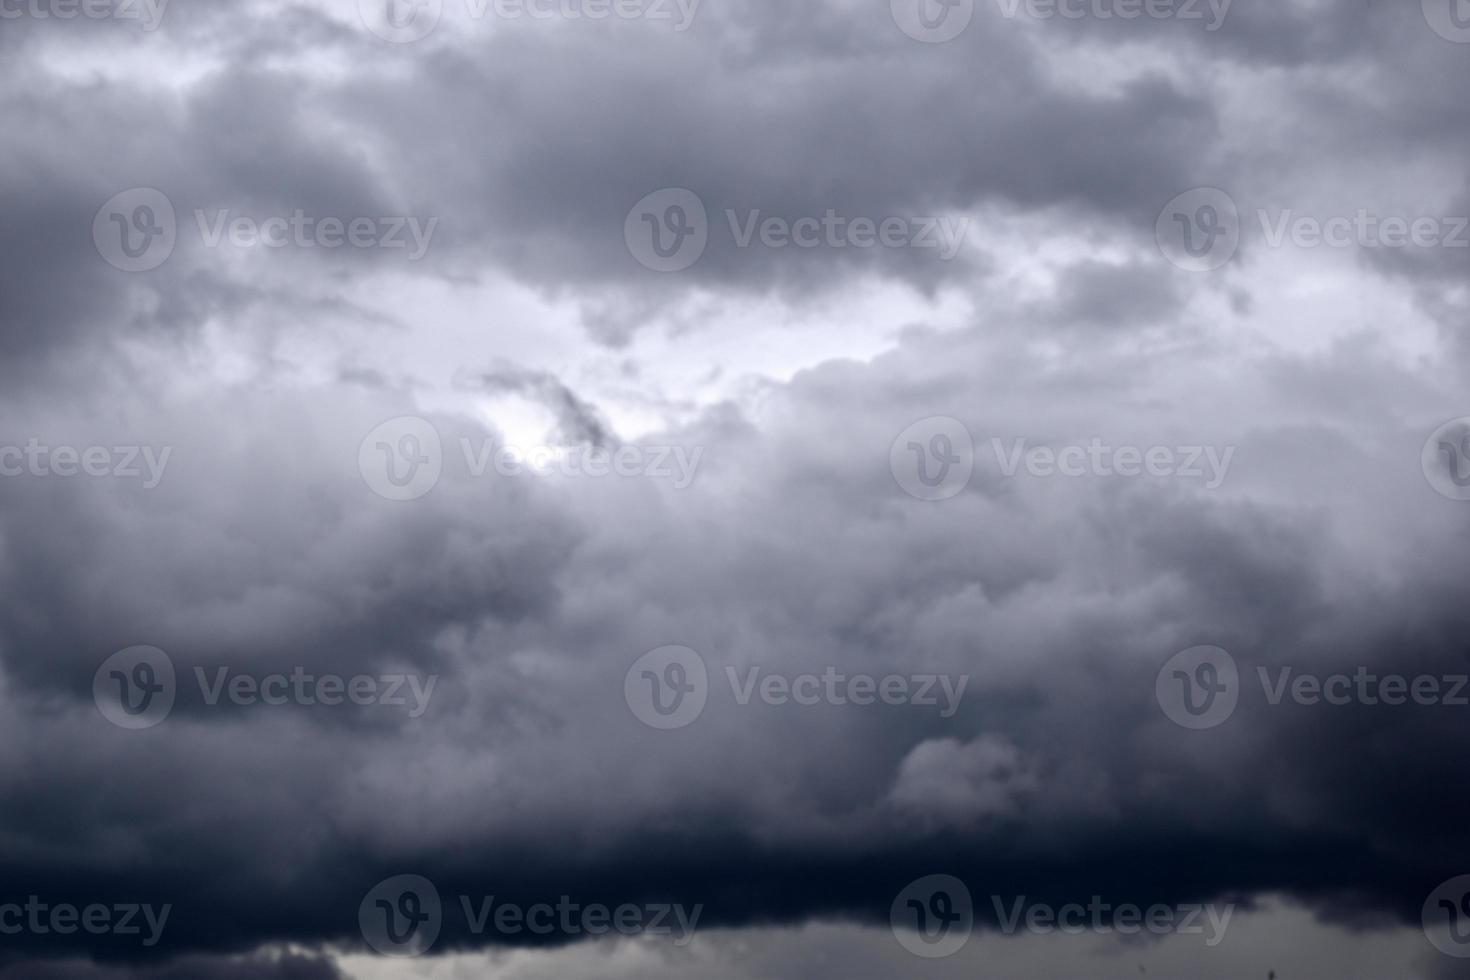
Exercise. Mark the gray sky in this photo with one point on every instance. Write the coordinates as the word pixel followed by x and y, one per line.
pixel 734 456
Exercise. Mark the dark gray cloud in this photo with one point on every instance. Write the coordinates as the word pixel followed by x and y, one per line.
pixel 287 966
pixel 528 597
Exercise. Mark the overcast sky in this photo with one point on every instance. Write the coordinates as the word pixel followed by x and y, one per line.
pixel 734 489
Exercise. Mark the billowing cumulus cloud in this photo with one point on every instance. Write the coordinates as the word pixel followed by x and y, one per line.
pixel 402 518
